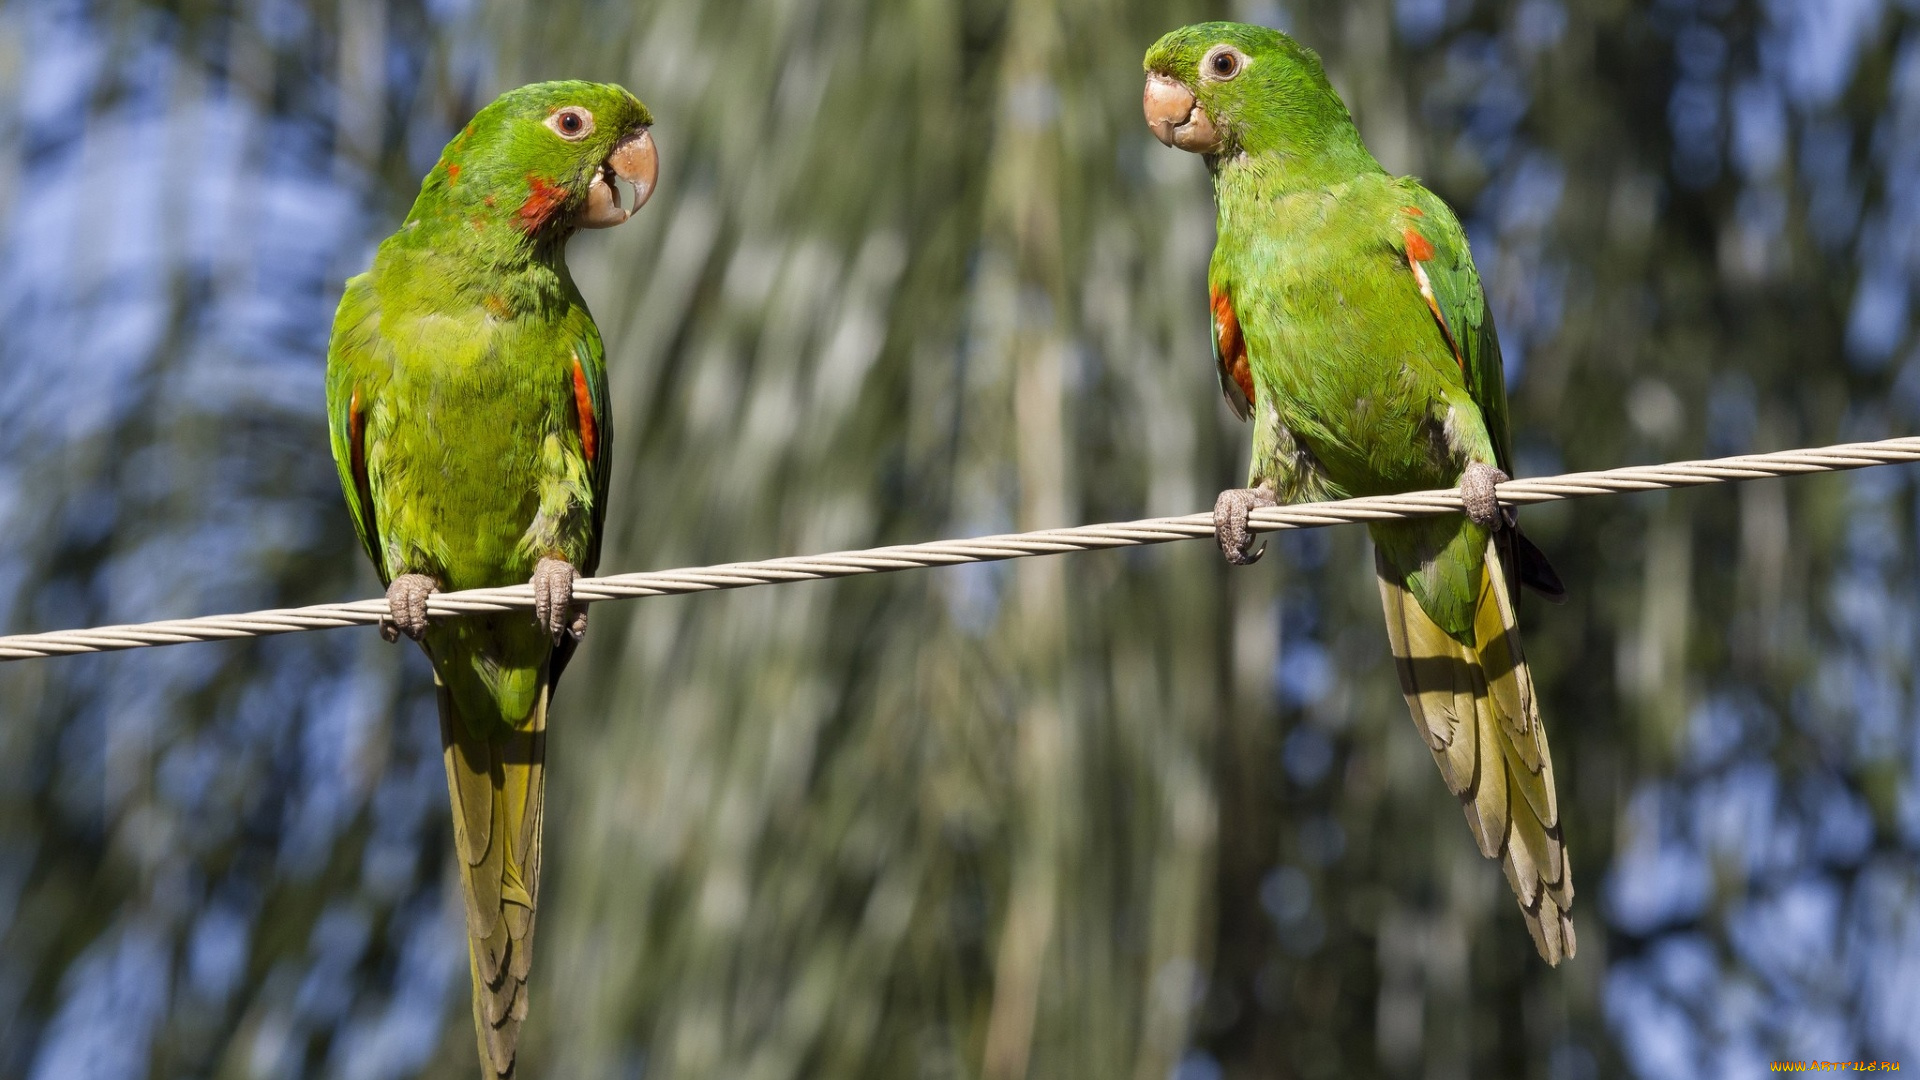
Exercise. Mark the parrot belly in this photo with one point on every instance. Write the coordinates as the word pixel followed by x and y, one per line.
pixel 477 478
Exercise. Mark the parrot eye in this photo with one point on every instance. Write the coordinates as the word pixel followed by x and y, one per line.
pixel 1224 62
pixel 572 123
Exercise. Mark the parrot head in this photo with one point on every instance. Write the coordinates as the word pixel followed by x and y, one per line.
pixel 544 160
pixel 1221 89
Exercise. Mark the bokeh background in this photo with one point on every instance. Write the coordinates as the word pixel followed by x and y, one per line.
pixel 916 269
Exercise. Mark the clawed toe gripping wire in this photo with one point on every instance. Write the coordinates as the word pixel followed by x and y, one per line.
pixel 983 549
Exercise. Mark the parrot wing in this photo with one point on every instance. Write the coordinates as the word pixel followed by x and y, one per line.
pixel 1437 252
pixel 1230 350
pixel 589 373
pixel 359 365
pixel 1475 704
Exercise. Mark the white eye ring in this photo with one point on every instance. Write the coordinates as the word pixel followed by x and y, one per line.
pixel 572 123
pixel 1222 63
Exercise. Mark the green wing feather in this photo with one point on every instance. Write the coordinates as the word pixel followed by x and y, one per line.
pixel 359 365
pixel 593 363
pixel 1467 320
pixel 591 353
pixel 1460 303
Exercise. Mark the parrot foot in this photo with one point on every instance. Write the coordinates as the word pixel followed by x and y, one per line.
pixel 407 606
pixel 1478 495
pixel 1230 523
pixel 553 606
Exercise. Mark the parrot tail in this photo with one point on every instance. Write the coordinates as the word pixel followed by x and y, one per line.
pixel 1475 707
pixel 498 787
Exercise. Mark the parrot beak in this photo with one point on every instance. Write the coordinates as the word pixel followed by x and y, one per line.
pixel 1176 118
pixel 633 160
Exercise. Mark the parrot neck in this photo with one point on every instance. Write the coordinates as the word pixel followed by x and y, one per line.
pixel 484 234
pixel 499 245
pixel 489 266
pixel 1272 173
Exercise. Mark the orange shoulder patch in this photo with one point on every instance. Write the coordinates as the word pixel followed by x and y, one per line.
pixel 583 410
pixel 1231 343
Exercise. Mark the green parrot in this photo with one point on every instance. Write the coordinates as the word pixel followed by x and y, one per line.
pixel 1350 325
pixel 467 404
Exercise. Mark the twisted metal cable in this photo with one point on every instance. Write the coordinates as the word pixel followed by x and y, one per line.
pixel 981 549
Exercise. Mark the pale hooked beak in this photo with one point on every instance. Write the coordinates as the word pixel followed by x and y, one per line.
pixel 1176 118
pixel 633 160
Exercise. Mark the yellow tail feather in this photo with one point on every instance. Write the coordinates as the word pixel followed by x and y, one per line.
pixel 498 788
pixel 1475 707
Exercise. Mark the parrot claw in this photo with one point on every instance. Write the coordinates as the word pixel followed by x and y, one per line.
pixel 407 606
pixel 1477 494
pixel 1230 523
pixel 553 606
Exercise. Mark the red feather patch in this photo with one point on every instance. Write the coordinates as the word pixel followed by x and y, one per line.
pixel 1231 343
pixel 542 201
pixel 583 408
pixel 1418 249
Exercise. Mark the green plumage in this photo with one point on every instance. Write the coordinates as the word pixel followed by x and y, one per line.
pixel 466 390
pixel 1364 396
pixel 1346 300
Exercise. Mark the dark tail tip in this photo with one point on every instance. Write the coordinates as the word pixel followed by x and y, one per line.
pixel 1535 572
